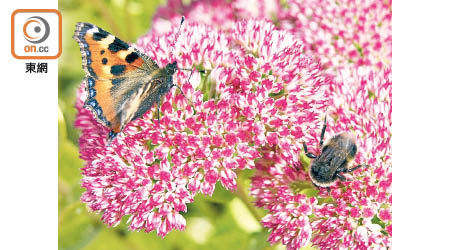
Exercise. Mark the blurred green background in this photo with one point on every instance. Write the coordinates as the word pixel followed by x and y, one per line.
pixel 219 222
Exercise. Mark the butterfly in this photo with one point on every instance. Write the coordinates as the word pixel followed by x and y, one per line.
pixel 121 82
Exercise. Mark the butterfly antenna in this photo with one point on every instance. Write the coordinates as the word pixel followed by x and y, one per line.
pixel 178 34
pixel 179 28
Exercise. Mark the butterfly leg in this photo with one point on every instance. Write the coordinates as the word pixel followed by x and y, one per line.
pixel 189 79
pixel 308 154
pixel 178 87
pixel 159 106
pixel 159 122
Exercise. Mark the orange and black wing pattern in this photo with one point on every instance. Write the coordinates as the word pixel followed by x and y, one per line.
pixel 118 77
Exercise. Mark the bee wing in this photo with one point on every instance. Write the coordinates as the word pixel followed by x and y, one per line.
pixel 333 156
pixel 339 160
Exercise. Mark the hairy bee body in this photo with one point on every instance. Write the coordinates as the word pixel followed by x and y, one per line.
pixel 336 155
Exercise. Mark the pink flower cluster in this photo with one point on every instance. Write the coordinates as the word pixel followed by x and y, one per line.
pixel 259 90
pixel 274 186
pixel 339 34
pixel 342 34
pixel 263 95
pixel 353 41
pixel 358 215
pixel 363 204
pixel 218 13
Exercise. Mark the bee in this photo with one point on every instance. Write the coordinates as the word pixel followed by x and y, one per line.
pixel 336 155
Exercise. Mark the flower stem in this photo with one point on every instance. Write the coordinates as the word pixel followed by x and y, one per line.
pixel 241 193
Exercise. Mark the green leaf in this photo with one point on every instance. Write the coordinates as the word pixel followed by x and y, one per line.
pixel 109 239
pixel 211 207
pixel 258 240
pixel 69 184
pixel 142 240
pixel 199 229
pixel 359 49
pixel 228 235
pixel 62 131
pixel 220 195
pixel 299 186
pixel 243 217
pixel 305 161
pixel 310 192
pixel 69 162
pixel 376 220
pixel 76 228
pixel 277 94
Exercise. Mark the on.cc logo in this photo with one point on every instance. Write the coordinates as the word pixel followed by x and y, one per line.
pixel 36 34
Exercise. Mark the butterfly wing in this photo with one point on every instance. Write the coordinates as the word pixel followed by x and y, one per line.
pixel 118 76
pixel 143 99
pixel 100 48
pixel 152 93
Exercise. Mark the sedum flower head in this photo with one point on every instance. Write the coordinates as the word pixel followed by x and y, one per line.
pixel 342 34
pixel 363 204
pixel 218 13
pixel 338 34
pixel 353 40
pixel 357 213
pixel 259 90
pixel 274 188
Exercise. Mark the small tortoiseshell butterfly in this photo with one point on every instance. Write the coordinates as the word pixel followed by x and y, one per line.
pixel 121 82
